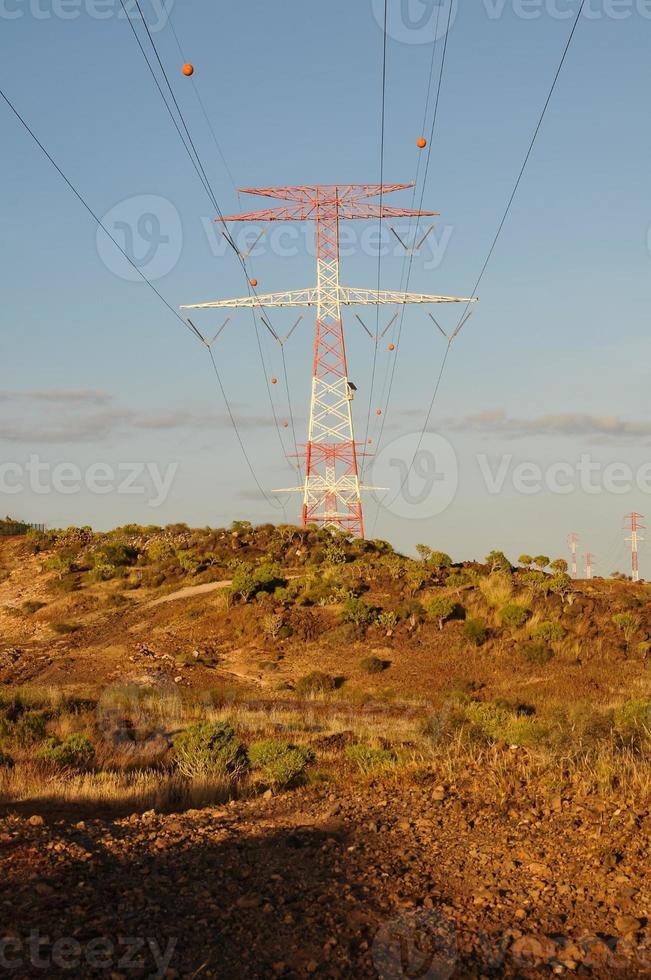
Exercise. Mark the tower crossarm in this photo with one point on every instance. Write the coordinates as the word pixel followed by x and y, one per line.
pixel 348 296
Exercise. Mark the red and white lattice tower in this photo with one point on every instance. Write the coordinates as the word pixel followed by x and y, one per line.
pixel 633 525
pixel 331 489
pixel 589 559
pixel 573 540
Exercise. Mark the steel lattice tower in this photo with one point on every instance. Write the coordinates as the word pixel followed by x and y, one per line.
pixel 573 540
pixel 331 489
pixel 634 526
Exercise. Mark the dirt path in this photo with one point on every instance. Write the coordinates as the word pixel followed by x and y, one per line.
pixel 191 590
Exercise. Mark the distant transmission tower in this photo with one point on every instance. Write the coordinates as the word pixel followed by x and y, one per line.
pixel 331 490
pixel 633 525
pixel 589 559
pixel 573 540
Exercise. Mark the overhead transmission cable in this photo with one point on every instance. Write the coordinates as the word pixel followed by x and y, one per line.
pixel 379 253
pixel 394 362
pixel 144 278
pixel 495 239
pixel 200 169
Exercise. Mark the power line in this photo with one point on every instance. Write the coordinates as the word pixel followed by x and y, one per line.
pixel 495 240
pixel 144 278
pixel 394 362
pixel 201 171
pixel 379 254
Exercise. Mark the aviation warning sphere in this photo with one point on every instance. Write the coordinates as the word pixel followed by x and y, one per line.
pixel 274 381
pixel 188 70
pixel 421 142
pixel 391 347
pixel 254 282
pixel 378 411
pixel 285 425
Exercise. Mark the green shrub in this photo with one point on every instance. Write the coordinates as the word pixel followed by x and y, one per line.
pixel 6 762
pixel 118 555
pixel 210 749
pixel 632 721
pixel 160 551
pixel 281 763
pixel 498 562
pixel 475 631
pixel 439 559
pixel 440 609
pixel 358 613
pixel 536 652
pixel 548 632
pixel 387 620
pixel 29 728
pixel 315 683
pixel 628 623
pixel 372 665
pixel 249 580
pixel 76 751
pixel 502 724
pixel 367 758
pixel 457 579
pixel 513 615
pixel 559 584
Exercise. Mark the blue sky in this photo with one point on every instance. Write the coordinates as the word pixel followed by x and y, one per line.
pixel 552 365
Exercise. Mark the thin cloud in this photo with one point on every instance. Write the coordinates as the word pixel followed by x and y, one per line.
pixel 606 427
pixel 61 395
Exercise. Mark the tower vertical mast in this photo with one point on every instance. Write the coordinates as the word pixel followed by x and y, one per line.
pixel 589 564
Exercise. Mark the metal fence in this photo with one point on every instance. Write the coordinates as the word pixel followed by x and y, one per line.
pixel 10 529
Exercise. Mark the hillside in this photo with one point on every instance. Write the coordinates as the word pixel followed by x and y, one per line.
pixel 347 738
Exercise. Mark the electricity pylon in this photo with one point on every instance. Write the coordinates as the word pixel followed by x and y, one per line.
pixel 573 540
pixel 331 489
pixel 634 526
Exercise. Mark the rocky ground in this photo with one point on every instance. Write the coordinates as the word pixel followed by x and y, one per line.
pixel 381 879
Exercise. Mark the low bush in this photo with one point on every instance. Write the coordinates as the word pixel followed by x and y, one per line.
pixel 440 609
pixel 366 758
pixel 210 749
pixel 475 631
pixel 496 723
pixel 535 652
pixel 548 632
pixel 358 613
pixel 32 606
pixel 315 683
pixel 632 722
pixel 76 752
pixel 372 665
pixel 6 762
pixel 281 763
pixel 28 729
pixel 64 628
pixel 513 615
pixel 249 580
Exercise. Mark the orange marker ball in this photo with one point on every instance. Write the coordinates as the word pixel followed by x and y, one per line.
pixel 254 282
pixel 378 411
pixel 188 70
pixel 274 381
pixel 391 347
pixel 285 425
pixel 421 142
